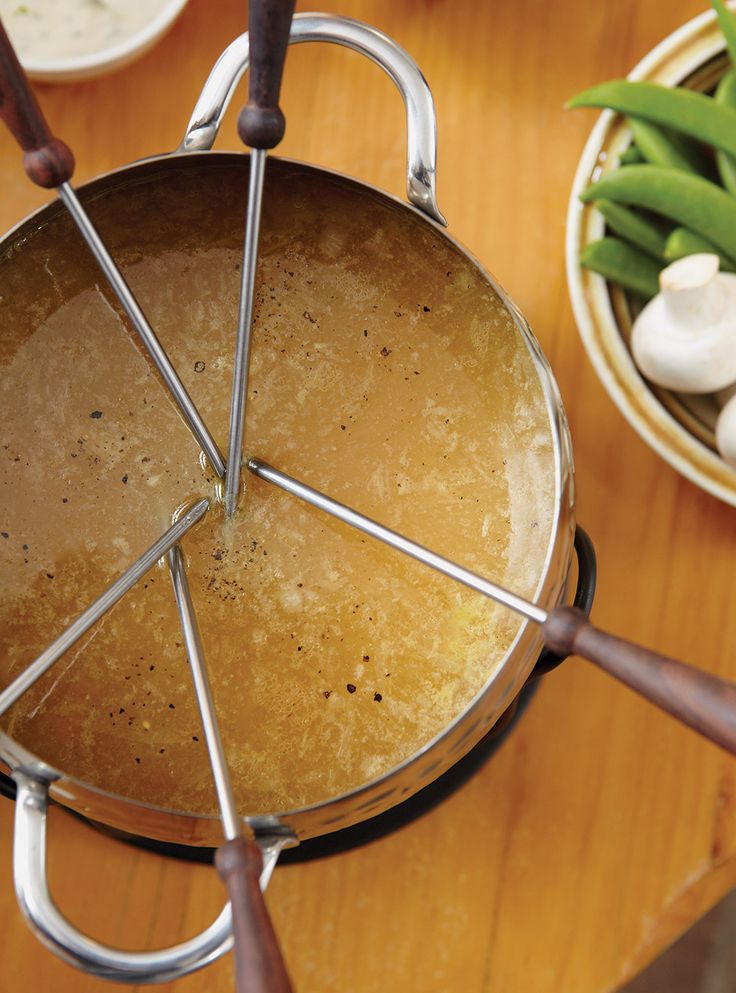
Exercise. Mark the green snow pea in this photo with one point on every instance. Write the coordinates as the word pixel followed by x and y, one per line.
pixel 630 156
pixel 685 111
pixel 682 242
pixel 726 95
pixel 689 200
pixel 727 24
pixel 634 228
pixel 622 264
pixel 667 148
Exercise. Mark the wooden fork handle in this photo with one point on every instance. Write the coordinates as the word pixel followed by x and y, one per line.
pixel 261 122
pixel 259 965
pixel 48 162
pixel 704 702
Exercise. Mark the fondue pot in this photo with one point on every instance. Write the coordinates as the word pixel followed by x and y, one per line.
pixel 362 300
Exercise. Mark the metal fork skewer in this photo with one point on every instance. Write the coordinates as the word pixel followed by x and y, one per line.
pixel 195 654
pixel 259 965
pixel 370 527
pixel 101 605
pixel 130 305
pixel 245 321
pixel 261 126
pixel 49 163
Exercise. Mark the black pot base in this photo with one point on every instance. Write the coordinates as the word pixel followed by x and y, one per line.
pixel 375 827
pixel 350 837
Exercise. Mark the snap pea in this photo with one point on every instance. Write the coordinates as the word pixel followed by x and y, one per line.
pixel 622 264
pixel 630 156
pixel 633 228
pixel 682 242
pixel 666 149
pixel 685 111
pixel 726 164
pixel 692 202
pixel 727 24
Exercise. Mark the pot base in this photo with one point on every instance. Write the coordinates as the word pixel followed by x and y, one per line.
pixel 375 827
pixel 359 834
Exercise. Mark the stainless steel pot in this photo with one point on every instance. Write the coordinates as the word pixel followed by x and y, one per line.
pixel 37 781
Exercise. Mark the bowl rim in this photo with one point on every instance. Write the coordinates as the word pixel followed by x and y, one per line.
pixel 675 58
pixel 111 56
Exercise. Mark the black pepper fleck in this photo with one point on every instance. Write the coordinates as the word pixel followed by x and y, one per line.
pixel 96 415
pixel 377 697
pixel 125 478
pixel 385 351
pixel 351 688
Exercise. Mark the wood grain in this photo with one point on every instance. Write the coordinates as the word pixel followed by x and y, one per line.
pixel 601 828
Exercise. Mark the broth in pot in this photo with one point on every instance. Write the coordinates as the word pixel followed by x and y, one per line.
pixel 385 371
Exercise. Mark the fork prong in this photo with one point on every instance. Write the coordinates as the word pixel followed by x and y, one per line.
pixel 195 654
pixel 239 399
pixel 102 604
pixel 398 541
pixel 132 308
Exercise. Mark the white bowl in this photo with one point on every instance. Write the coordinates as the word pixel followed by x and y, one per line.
pixel 680 428
pixel 105 60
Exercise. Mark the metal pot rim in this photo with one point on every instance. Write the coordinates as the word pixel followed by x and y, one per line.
pixel 406 778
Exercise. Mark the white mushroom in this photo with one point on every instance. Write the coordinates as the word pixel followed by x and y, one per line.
pixel 685 338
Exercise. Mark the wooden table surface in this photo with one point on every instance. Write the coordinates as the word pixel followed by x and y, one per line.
pixel 601 829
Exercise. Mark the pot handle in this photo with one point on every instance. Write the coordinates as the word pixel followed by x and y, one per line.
pixel 76 948
pixel 421 124
pixel 698 699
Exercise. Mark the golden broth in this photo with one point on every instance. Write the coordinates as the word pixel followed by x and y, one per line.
pixel 385 371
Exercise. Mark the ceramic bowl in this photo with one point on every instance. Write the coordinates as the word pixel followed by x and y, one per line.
pixel 105 60
pixel 679 427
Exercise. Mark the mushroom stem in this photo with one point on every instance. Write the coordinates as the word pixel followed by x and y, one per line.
pixel 692 293
pixel 685 338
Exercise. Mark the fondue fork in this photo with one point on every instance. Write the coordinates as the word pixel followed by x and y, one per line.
pixel 704 702
pixel 49 163
pixel 102 604
pixel 259 966
pixel 261 125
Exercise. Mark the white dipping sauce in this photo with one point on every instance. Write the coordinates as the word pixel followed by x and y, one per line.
pixel 52 30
